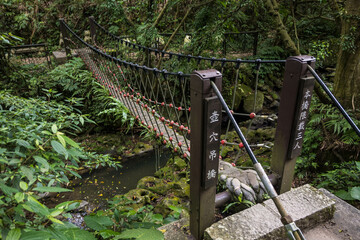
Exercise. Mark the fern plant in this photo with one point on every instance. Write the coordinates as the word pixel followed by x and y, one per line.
pixel 331 151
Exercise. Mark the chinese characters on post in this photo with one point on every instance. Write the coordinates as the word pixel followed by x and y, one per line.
pixel 301 116
pixel 212 141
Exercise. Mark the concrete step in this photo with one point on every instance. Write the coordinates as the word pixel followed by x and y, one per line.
pixel 345 225
pixel 320 215
pixel 306 205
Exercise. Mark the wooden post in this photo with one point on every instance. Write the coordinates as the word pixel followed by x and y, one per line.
pixel 92 29
pixel 65 37
pixel 295 100
pixel 205 144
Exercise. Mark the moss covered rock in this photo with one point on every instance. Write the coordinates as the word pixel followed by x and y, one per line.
pixel 248 105
pixel 179 163
pixel 242 92
pixel 163 207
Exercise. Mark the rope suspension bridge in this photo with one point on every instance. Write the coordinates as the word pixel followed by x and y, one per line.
pixel 159 100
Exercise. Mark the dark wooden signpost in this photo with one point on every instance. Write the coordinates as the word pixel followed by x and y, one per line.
pixel 295 101
pixel 306 87
pixel 205 144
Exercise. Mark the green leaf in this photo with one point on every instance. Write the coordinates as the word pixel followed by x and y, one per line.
pixel 61 139
pixel 71 142
pixel 24 186
pixel 57 234
pixel 35 235
pixel 54 128
pixel 23 143
pixel 54 220
pixel 2 150
pixel 176 209
pixel 98 223
pixel 141 234
pixel 108 233
pixel 69 205
pixel 42 161
pixel 355 193
pixel 19 197
pixel 14 234
pixel 52 189
pixel 357 165
pixel 7 190
pixel 345 195
pixel 81 119
pixel 28 173
pixel 79 234
pixel 35 206
pixel 74 173
pixel 59 148
pixel 157 217
pixel 46 132
pixel 56 212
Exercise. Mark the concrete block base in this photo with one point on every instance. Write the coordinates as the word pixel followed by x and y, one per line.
pixel 306 205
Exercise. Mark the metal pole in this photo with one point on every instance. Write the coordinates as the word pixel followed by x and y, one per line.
pixel 205 144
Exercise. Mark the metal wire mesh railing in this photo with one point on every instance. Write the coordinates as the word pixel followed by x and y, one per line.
pixel 156 98
pixel 230 69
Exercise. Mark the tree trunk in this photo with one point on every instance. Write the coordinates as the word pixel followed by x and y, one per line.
pixel 347 76
pixel 273 8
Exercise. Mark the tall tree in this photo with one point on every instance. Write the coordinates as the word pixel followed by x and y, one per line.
pixel 347 76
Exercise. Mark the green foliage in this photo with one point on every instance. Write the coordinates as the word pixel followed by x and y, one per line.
pixel 73 86
pixel 328 132
pixel 7 39
pixel 344 181
pixel 348 40
pixel 147 34
pixel 321 49
pixel 35 157
pixel 141 234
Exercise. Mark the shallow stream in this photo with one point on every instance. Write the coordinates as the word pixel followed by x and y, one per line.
pixel 98 186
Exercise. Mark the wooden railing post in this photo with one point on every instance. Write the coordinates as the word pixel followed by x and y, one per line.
pixel 65 37
pixel 295 101
pixel 92 29
pixel 205 144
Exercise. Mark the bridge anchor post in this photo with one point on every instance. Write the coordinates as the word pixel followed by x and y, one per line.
pixel 66 38
pixel 295 101
pixel 92 29
pixel 205 145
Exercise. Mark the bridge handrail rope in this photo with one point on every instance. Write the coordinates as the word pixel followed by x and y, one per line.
pixel 335 101
pixel 124 62
pixel 179 55
pixel 292 230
